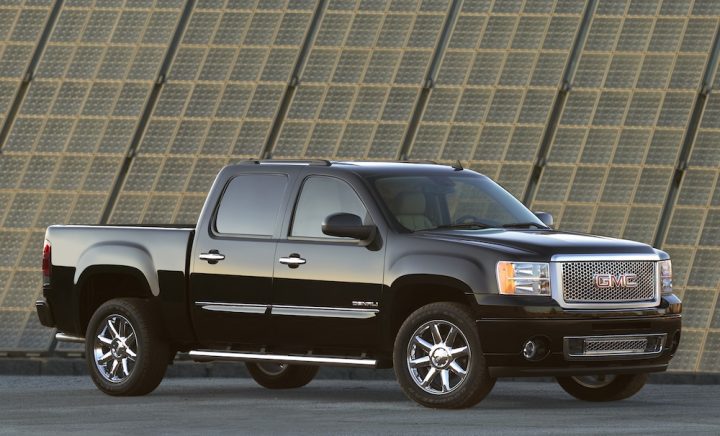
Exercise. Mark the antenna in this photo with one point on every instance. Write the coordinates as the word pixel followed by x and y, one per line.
pixel 457 165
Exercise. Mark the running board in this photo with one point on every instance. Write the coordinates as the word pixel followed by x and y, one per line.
pixel 207 355
pixel 62 337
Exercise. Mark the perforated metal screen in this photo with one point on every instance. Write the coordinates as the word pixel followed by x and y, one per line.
pixel 71 132
pixel 126 109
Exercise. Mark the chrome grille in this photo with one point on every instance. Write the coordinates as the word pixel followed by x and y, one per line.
pixel 579 283
pixel 613 347
pixel 607 346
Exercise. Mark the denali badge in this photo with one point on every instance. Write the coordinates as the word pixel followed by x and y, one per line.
pixel 365 304
pixel 627 280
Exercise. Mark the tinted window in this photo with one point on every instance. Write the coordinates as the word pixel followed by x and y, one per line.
pixel 251 204
pixel 320 197
pixel 441 200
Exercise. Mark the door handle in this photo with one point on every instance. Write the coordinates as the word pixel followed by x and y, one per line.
pixel 212 257
pixel 293 261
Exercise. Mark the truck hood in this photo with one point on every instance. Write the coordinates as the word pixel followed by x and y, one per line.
pixel 543 243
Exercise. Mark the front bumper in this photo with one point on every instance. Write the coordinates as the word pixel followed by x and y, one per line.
pixel 505 324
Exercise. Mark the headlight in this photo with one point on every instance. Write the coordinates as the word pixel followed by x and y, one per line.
pixel 523 278
pixel 665 276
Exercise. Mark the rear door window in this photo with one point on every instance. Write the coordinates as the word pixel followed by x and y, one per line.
pixel 251 205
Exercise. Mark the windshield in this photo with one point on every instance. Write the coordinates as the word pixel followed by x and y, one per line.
pixel 454 200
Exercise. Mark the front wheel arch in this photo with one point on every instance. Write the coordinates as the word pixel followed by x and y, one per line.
pixel 410 293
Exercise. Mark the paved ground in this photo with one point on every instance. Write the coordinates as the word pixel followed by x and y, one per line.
pixel 46 404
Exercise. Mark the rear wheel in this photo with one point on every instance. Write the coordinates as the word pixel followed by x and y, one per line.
pixel 438 359
pixel 602 387
pixel 281 375
pixel 124 349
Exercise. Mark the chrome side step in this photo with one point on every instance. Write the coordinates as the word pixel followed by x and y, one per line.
pixel 206 355
pixel 62 337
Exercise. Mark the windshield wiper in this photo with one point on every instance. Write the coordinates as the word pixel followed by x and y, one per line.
pixel 473 225
pixel 521 225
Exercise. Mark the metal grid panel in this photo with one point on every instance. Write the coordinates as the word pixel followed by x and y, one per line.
pixel 222 93
pixel 72 131
pixel 21 24
pixel 362 79
pixel 693 241
pixel 496 85
pixel 612 159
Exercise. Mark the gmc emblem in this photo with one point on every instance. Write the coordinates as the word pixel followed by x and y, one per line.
pixel 627 280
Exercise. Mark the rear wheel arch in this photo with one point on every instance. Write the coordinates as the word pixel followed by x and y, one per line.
pixel 101 283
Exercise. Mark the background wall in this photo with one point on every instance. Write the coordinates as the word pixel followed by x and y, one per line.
pixel 601 112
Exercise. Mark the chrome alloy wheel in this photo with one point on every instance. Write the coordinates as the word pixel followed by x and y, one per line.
pixel 438 357
pixel 115 349
pixel 595 381
pixel 271 368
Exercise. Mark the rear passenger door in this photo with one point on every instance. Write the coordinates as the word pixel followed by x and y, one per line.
pixel 326 289
pixel 233 259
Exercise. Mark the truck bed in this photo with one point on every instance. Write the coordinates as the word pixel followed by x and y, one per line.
pixel 149 249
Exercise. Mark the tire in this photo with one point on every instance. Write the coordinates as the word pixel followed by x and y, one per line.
pixel 439 361
pixel 281 375
pixel 109 354
pixel 603 388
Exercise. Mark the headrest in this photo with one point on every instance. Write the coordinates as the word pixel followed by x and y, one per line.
pixel 409 203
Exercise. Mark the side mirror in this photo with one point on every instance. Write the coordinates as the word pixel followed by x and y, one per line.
pixel 545 217
pixel 347 225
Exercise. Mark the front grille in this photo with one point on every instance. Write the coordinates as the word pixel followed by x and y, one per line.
pixel 613 347
pixel 607 346
pixel 578 281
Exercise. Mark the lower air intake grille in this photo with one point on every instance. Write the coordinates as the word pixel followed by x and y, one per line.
pixel 613 347
pixel 607 346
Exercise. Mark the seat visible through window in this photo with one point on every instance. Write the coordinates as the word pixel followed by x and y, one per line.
pixel 409 209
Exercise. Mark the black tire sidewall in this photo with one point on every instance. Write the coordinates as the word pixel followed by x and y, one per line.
pixel 293 376
pixel 622 387
pixel 152 351
pixel 477 383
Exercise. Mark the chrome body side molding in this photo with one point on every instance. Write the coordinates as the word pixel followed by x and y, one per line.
pixel 205 355
pixel 324 312
pixel 232 307
pixel 319 312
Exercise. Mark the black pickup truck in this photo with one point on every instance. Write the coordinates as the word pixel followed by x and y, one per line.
pixel 433 270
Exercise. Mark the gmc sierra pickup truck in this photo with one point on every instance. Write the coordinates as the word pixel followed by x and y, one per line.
pixel 433 270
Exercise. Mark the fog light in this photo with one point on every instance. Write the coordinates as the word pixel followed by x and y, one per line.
pixel 535 349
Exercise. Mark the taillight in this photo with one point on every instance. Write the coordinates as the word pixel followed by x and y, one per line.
pixel 46 262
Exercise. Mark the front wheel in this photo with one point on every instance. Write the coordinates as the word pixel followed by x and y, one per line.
pixel 281 375
pixel 438 359
pixel 603 387
pixel 124 348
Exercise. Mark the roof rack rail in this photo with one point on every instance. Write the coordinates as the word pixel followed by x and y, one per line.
pixel 317 162
pixel 418 161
